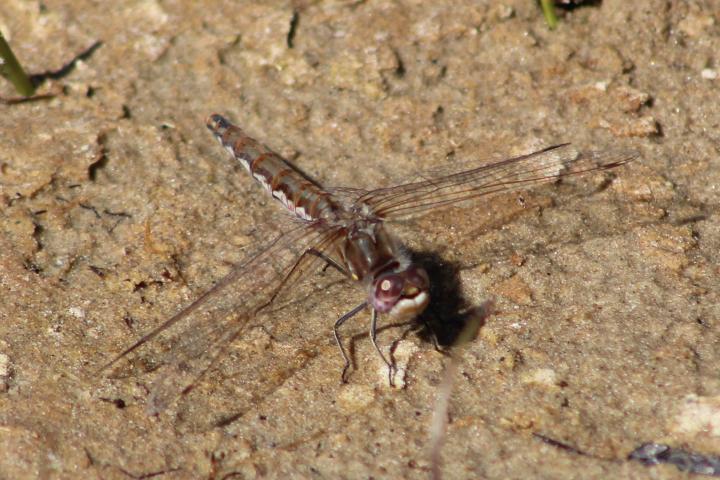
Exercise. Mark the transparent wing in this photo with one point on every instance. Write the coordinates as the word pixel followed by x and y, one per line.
pixel 197 335
pixel 521 172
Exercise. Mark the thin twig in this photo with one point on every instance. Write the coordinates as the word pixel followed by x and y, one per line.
pixel 438 425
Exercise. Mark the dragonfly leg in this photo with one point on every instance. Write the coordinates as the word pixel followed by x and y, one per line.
pixel 330 262
pixel 338 324
pixel 373 337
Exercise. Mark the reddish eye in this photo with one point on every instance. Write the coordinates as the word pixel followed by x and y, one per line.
pixel 417 277
pixel 387 292
pixel 389 287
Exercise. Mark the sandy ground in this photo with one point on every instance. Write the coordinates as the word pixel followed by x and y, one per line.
pixel 118 208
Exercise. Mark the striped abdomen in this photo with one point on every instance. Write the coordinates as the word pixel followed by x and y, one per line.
pixel 301 197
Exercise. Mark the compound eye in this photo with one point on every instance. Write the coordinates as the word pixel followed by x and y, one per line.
pixel 389 287
pixel 417 278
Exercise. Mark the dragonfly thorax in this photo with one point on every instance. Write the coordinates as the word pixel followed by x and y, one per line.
pixel 394 284
pixel 369 249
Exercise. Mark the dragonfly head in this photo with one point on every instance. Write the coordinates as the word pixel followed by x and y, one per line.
pixel 401 294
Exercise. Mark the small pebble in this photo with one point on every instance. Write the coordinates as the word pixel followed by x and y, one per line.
pixel 709 74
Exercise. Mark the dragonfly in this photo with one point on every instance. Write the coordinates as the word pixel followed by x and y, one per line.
pixel 346 228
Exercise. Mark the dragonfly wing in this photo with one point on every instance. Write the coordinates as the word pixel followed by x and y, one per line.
pixel 515 173
pixel 188 343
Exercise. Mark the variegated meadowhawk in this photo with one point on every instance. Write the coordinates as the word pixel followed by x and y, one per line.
pixel 345 228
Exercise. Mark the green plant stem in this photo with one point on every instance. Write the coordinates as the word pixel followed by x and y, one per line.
pixel 548 9
pixel 11 69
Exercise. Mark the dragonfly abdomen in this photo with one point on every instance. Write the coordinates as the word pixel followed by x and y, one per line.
pixel 303 198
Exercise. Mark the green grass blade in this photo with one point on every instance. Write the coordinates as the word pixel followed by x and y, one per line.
pixel 548 9
pixel 11 69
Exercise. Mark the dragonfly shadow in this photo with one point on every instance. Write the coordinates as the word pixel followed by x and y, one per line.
pixel 448 311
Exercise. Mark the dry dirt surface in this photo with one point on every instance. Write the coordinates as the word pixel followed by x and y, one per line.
pixel 119 208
